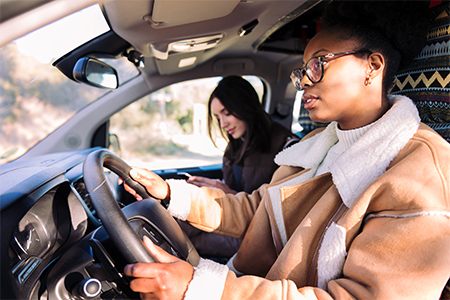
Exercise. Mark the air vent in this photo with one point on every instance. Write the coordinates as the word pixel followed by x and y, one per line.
pixel 80 187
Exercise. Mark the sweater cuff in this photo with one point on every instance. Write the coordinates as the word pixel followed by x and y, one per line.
pixel 208 281
pixel 179 207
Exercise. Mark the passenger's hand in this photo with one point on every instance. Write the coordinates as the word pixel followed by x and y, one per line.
pixel 216 183
pixel 155 185
pixel 167 279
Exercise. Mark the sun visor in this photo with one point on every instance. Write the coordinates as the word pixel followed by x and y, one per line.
pixel 168 13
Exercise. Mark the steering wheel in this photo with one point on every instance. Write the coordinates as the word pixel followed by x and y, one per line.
pixel 113 219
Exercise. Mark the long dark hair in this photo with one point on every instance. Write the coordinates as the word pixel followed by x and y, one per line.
pixel 240 99
pixel 396 29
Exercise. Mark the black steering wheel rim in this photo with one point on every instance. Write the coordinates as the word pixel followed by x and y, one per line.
pixel 108 210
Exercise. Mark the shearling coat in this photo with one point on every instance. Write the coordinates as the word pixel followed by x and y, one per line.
pixel 377 226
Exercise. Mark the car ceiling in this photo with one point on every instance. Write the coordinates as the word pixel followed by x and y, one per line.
pixel 12 8
pixel 149 26
pixel 207 18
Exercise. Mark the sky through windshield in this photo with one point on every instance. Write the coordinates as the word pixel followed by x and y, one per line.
pixel 58 38
pixel 35 97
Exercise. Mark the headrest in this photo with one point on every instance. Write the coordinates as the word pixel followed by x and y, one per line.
pixel 427 80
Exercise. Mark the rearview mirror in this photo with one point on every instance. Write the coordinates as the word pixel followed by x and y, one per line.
pixel 96 73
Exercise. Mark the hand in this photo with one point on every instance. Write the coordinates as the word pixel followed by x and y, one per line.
pixel 155 185
pixel 215 183
pixel 167 279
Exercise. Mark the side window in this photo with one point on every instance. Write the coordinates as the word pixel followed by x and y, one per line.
pixel 301 121
pixel 167 129
pixel 296 127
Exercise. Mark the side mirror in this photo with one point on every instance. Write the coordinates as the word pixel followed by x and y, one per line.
pixel 96 73
pixel 114 144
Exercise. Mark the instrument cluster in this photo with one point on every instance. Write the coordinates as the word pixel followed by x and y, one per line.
pixel 44 229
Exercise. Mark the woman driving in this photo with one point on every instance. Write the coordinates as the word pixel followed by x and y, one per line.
pixel 356 210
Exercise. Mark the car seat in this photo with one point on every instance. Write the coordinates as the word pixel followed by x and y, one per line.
pixel 307 125
pixel 427 80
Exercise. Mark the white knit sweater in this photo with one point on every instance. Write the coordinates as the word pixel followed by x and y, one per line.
pixel 346 139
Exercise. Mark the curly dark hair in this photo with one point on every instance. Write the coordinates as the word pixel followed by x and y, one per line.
pixel 396 29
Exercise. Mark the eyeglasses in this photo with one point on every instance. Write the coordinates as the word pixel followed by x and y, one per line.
pixel 314 67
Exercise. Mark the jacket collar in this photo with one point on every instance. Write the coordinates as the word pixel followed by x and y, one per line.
pixel 367 158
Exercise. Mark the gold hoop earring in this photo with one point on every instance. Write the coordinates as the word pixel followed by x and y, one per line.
pixel 368 80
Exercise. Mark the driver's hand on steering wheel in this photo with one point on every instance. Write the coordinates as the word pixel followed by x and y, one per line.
pixel 155 185
pixel 167 279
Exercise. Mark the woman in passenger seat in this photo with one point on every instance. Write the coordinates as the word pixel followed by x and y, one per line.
pixel 357 210
pixel 253 138
pixel 248 162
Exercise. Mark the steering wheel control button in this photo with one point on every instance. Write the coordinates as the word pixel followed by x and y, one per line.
pixel 156 238
pixel 88 288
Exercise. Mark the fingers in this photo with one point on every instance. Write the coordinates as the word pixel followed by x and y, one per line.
pixel 199 179
pixel 203 181
pixel 215 183
pixel 142 176
pixel 163 281
pixel 132 191
pixel 143 269
pixel 197 183
pixel 151 281
pixel 156 280
pixel 158 253
pixel 154 184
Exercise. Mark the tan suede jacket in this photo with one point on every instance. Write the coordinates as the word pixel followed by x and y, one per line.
pixel 376 227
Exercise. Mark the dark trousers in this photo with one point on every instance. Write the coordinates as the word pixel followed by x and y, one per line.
pixel 211 245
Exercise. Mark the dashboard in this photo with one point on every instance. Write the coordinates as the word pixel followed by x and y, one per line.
pixel 53 244
pixel 50 231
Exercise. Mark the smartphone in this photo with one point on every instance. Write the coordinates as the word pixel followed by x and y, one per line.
pixel 185 175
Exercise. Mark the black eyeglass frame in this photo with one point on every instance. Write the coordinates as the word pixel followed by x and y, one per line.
pixel 299 73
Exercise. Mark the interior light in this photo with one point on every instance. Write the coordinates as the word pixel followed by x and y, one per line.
pixel 181 46
pixel 162 50
pixel 187 62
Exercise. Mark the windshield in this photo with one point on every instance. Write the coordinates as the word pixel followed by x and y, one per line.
pixel 35 97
